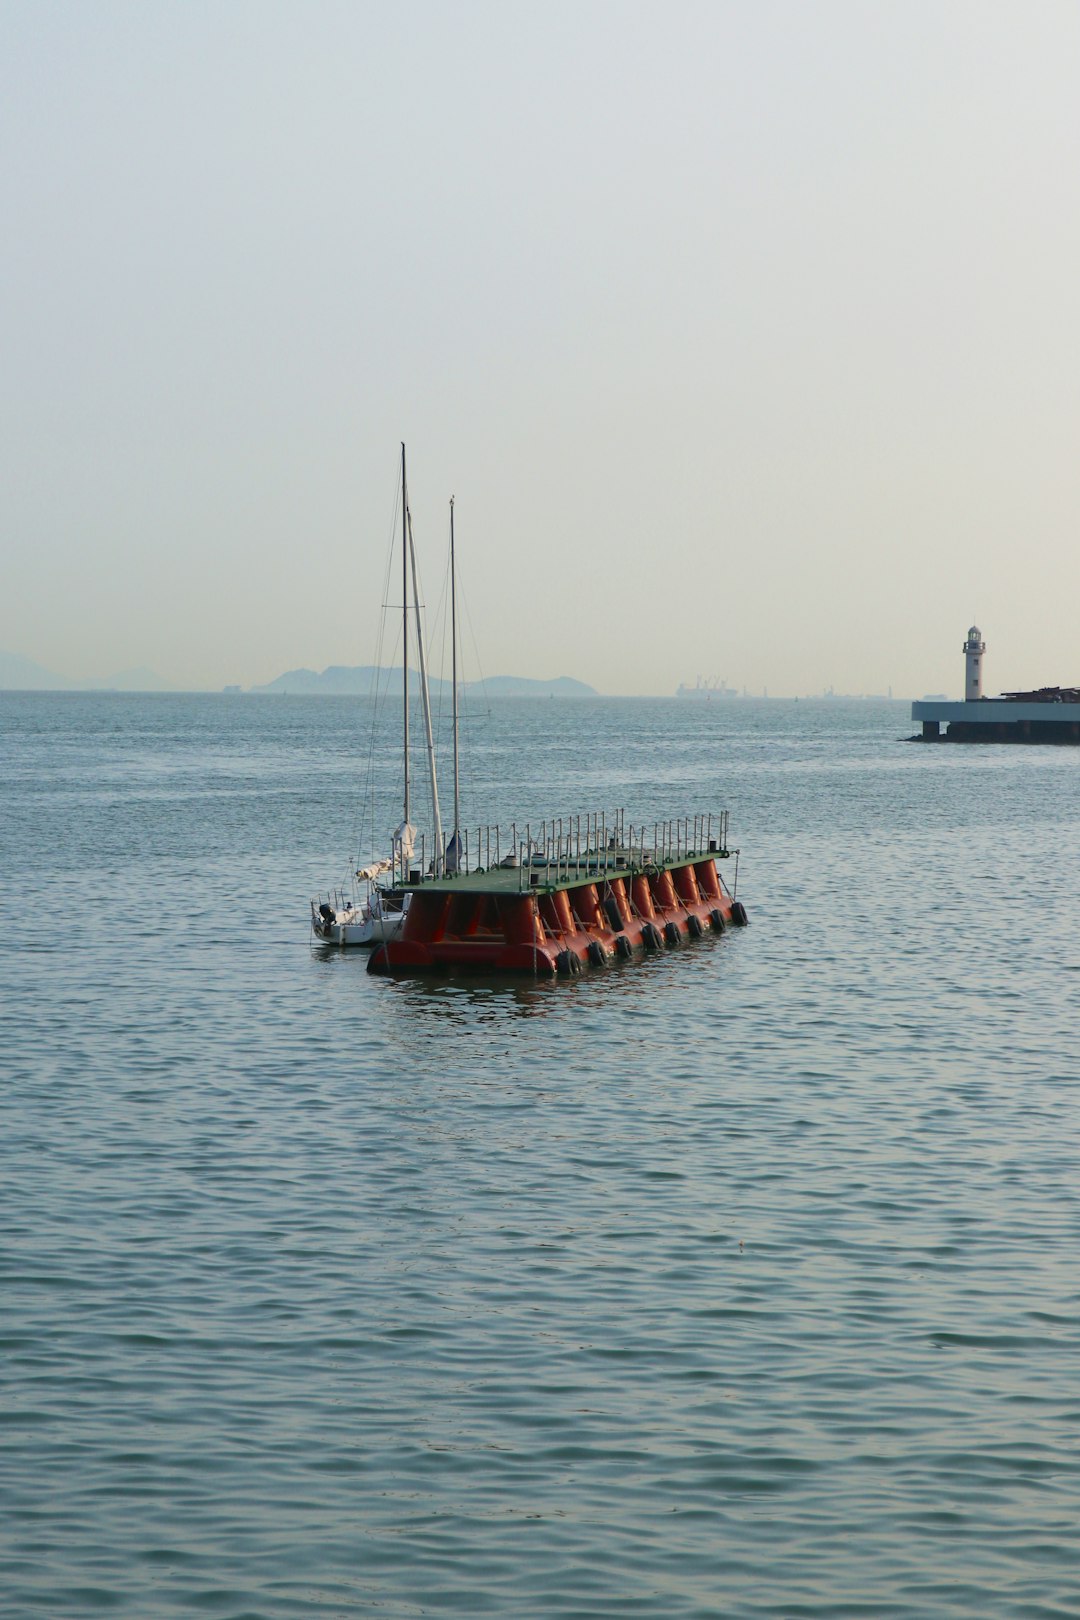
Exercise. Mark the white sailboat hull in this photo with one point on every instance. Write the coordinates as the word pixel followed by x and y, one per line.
pixel 359 925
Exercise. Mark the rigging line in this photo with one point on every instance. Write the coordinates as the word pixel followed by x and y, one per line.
pixel 468 730
pixel 426 700
pixel 368 801
pixel 440 626
pixel 368 820
pixel 363 802
pixel 447 696
pixel 379 694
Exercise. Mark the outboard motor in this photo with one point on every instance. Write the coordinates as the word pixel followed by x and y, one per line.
pixel 326 913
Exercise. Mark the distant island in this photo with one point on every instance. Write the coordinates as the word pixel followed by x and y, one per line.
pixel 19 674
pixel 364 680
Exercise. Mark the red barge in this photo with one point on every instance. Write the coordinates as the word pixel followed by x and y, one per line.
pixel 584 892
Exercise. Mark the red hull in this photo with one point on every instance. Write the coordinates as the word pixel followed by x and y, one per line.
pixel 559 929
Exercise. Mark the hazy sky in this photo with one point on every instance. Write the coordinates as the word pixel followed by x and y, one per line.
pixel 747 336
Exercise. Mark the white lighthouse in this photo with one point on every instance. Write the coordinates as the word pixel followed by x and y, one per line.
pixel 974 647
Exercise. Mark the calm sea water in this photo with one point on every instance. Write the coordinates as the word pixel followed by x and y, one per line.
pixel 743 1282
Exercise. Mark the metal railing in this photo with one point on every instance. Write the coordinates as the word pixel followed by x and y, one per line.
pixel 565 848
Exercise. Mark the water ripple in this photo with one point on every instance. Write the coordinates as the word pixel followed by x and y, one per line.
pixel 741 1283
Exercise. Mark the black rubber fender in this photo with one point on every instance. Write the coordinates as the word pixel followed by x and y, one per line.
pixel 716 918
pixel 671 933
pixel 738 914
pixel 651 937
pixel 693 924
pixel 623 946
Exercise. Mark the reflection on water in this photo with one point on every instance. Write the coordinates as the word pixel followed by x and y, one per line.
pixel 470 1000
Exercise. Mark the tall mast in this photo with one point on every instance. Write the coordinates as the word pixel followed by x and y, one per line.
pixel 425 696
pixel 405 622
pixel 453 676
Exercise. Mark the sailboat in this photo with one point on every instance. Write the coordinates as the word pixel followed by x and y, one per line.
pixel 373 909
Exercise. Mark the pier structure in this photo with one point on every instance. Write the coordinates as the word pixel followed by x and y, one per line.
pixel 1048 714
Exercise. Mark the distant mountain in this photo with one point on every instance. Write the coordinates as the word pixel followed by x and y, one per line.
pixel 18 674
pixel 363 680
pixel 336 680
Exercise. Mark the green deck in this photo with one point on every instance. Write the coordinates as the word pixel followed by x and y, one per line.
pixel 506 880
